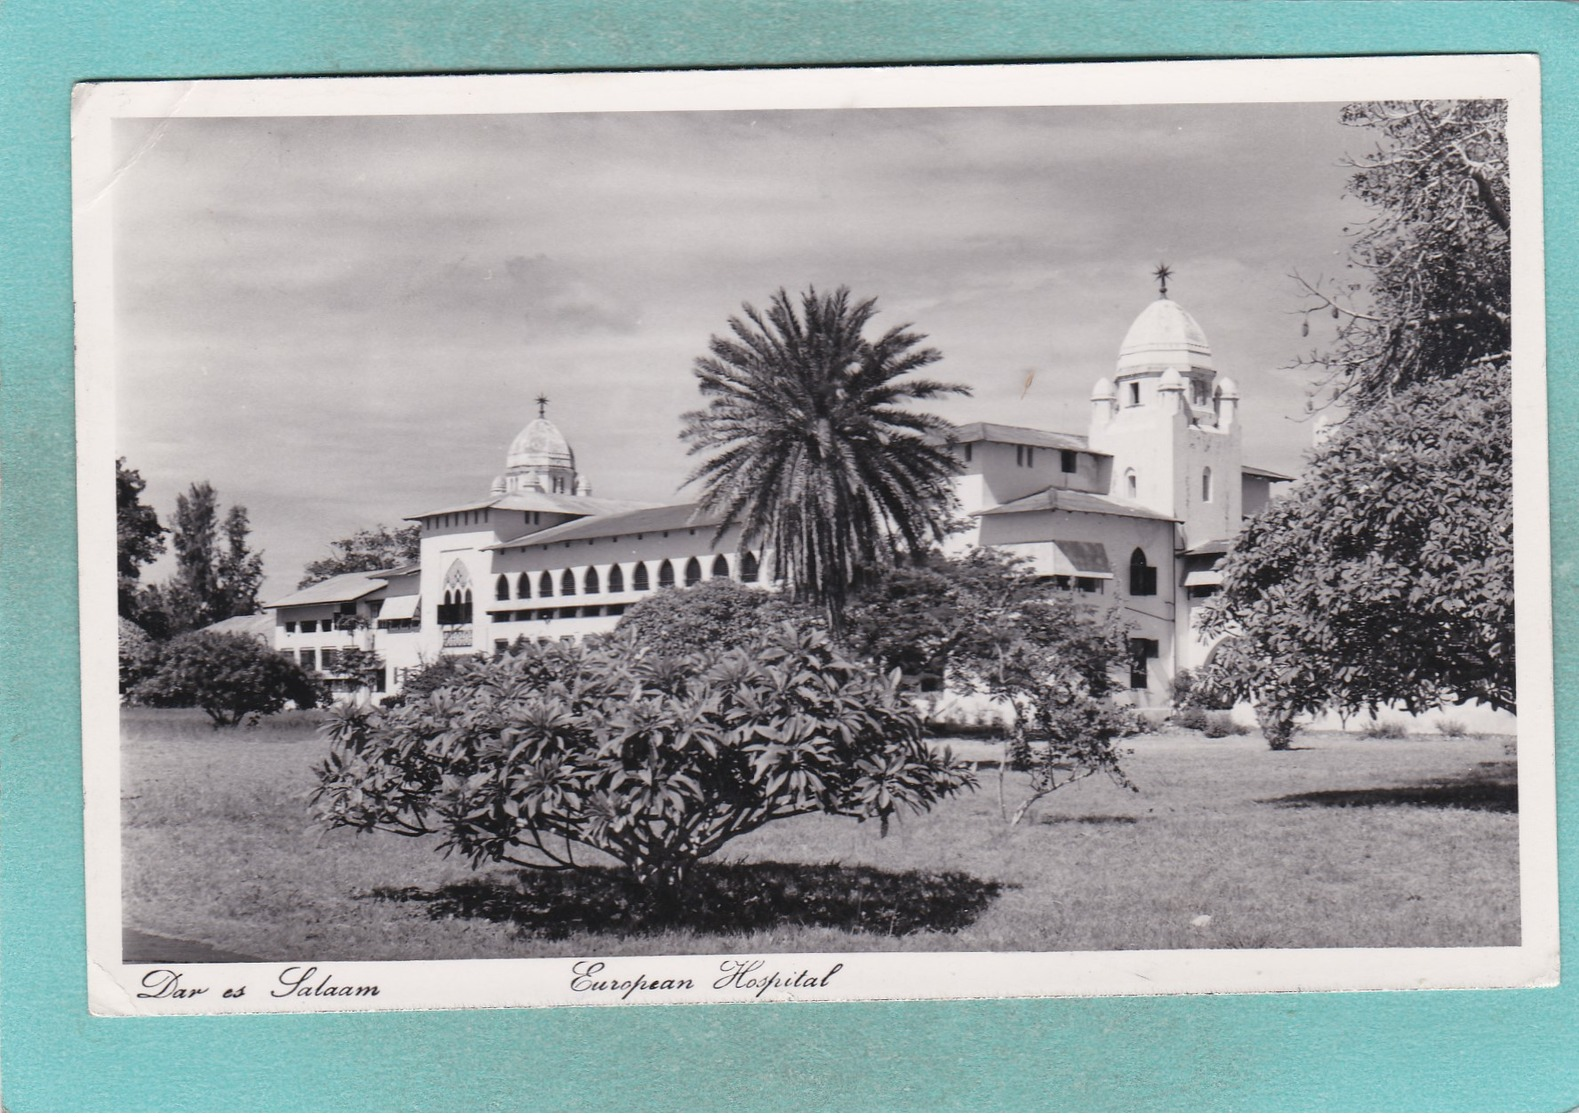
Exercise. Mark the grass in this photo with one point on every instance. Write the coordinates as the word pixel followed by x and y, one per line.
pixel 1342 842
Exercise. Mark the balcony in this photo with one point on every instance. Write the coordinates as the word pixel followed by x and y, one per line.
pixel 458 637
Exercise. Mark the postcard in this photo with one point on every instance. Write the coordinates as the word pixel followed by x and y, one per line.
pixel 797 535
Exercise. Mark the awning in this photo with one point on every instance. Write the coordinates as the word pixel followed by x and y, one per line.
pixel 1063 558
pixel 1083 560
pixel 1204 578
pixel 400 608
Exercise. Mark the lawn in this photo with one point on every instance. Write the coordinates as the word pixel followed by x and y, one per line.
pixel 1340 842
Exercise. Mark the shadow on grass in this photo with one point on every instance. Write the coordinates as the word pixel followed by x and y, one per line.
pixel 1490 786
pixel 1090 820
pixel 722 899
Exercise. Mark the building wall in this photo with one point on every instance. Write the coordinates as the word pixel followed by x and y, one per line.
pixel 1149 617
pixel 999 472
pixel 581 613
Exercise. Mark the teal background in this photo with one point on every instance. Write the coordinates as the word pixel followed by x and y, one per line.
pixel 1494 1050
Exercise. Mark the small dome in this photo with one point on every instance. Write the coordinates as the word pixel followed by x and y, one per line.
pixel 1171 381
pixel 1164 335
pixel 1103 389
pixel 540 446
pixel 1227 389
pixel 498 488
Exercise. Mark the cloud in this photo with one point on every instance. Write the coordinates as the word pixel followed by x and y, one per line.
pixel 342 320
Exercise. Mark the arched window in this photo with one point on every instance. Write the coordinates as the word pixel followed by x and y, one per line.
pixel 501 589
pixel 523 585
pixel 748 567
pixel 693 572
pixel 567 584
pixel 1206 485
pixel 1131 484
pixel 616 579
pixel 720 567
pixel 1142 577
pixel 589 581
pixel 545 585
pixel 665 574
pixel 639 581
pixel 457 604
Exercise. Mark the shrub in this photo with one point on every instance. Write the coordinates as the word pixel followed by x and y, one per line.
pixel 1452 728
pixel 1219 724
pixel 1191 717
pixel 1276 726
pixel 137 652
pixel 657 762
pixel 228 677
pixel 709 616
pixel 1384 730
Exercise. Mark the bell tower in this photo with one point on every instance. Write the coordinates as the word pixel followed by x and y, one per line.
pixel 1171 423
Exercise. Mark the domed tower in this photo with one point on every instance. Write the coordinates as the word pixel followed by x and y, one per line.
pixel 1170 424
pixel 1165 338
pixel 540 459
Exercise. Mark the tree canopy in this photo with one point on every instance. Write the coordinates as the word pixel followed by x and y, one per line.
pixel 228 677
pixel 1386 574
pixel 376 548
pixel 216 576
pixel 712 615
pixel 1434 294
pixel 809 447
pixel 139 537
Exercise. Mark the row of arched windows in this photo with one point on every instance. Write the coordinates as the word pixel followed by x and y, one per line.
pixel 456 607
pixel 528 585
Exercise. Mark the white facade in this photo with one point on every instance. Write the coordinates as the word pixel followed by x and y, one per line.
pixel 1133 513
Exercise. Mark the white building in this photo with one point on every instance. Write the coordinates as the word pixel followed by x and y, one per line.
pixel 1136 512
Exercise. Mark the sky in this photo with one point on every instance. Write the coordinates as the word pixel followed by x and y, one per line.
pixel 342 321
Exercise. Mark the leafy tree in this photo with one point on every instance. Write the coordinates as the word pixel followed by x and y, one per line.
pixel 139 537
pixel 228 677
pixel 237 571
pixel 136 651
pixel 1052 663
pixel 710 616
pixel 808 445
pixel 1387 576
pixel 989 624
pixel 375 548
pixel 211 581
pixel 916 615
pixel 655 762
pixel 1436 295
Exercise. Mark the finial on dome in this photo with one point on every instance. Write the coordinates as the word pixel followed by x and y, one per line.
pixel 1161 274
pixel 542 406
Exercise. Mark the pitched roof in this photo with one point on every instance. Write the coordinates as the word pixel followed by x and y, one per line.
pixel 667 517
pixel 257 625
pixel 1269 474
pixel 1209 547
pixel 1067 500
pixel 1023 436
pixel 342 587
pixel 541 502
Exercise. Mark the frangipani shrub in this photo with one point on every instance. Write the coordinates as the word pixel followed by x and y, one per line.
pixel 541 754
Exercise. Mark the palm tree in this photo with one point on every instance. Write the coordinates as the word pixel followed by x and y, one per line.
pixel 809 449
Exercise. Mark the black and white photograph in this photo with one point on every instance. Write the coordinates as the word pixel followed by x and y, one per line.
pixel 851 534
